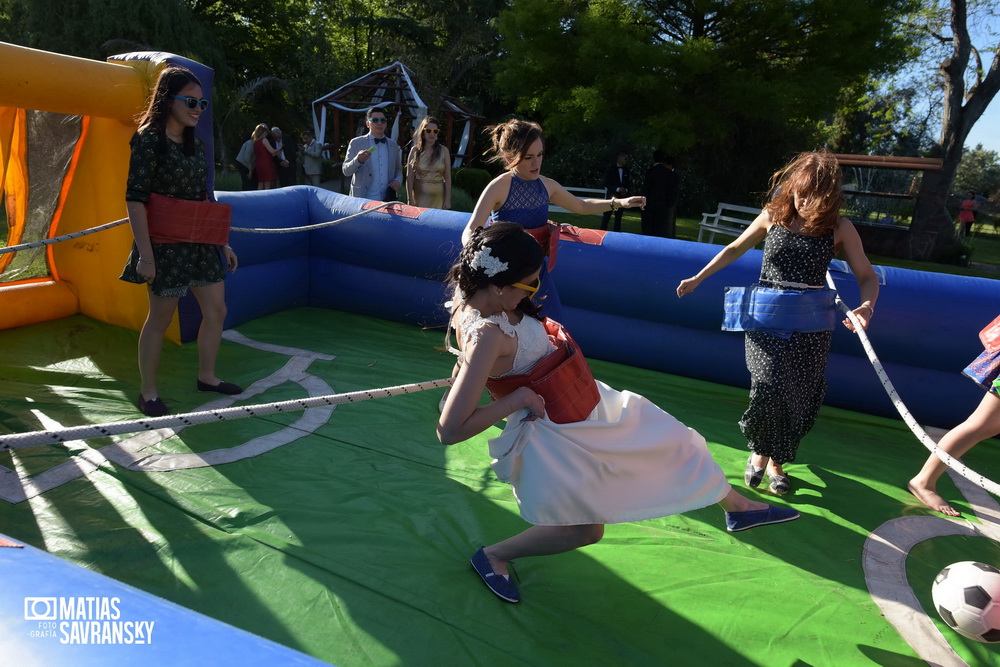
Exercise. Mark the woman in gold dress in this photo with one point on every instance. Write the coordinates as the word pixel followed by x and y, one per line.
pixel 428 169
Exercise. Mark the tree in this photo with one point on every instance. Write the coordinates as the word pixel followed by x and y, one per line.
pixel 979 171
pixel 724 82
pixel 933 229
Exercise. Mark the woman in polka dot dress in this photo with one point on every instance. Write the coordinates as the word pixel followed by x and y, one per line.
pixel 802 230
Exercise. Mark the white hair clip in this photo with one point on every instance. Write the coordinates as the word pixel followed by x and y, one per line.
pixel 487 262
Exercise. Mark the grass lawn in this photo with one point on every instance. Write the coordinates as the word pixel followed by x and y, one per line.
pixel 985 244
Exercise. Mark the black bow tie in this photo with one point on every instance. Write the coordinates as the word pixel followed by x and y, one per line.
pixel 379 141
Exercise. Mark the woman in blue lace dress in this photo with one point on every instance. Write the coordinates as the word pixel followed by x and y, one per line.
pixel 522 194
pixel 802 230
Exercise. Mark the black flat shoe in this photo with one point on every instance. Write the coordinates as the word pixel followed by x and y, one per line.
pixel 152 408
pixel 222 388
pixel 753 475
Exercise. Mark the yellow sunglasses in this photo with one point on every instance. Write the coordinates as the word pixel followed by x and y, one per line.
pixel 530 289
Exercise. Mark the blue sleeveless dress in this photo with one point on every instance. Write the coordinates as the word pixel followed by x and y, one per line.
pixel 528 205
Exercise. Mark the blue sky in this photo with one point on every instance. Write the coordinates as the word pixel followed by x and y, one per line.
pixel 986 131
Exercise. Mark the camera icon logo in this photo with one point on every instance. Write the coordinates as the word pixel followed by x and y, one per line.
pixel 40 609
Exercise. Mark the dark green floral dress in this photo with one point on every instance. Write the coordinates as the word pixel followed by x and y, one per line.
pixel 172 174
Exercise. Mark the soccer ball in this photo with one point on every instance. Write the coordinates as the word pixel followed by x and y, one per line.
pixel 967 596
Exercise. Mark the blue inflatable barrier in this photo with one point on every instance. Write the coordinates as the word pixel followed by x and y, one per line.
pixel 618 298
pixel 57 613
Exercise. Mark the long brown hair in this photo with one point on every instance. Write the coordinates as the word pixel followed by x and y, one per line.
pixel 814 177
pixel 170 82
pixel 511 140
pixel 421 146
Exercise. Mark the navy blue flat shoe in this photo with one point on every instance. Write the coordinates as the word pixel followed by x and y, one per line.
pixel 737 521
pixel 153 407
pixel 222 388
pixel 500 585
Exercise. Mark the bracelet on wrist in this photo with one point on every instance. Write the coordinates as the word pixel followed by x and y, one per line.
pixel 868 306
pixel 145 260
pixel 613 206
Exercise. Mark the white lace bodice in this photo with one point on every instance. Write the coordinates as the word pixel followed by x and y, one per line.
pixel 532 341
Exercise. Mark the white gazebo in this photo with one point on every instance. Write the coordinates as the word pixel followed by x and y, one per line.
pixel 340 114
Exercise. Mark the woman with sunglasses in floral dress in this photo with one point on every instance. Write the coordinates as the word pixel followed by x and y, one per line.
pixel 168 159
pixel 428 168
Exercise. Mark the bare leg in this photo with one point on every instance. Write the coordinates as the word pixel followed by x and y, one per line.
pixel 212 300
pixel 734 502
pixel 983 423
pixel 541 541
pixel 161 311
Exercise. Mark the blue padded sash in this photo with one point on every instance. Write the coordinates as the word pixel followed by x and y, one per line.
pixel 779 311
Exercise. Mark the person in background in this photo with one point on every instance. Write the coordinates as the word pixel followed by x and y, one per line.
pixel 428 168
pixel 168 159
pixel 263 152
pixel 660 188
pixel 967 213
pixel 312 158
pixel 245 165
pixel 285 159
pixel 617 183
pixel 374 161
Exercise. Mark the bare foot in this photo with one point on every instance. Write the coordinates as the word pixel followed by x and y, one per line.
pixel 931 499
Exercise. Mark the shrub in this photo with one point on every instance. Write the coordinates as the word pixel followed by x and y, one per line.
pixel 473 181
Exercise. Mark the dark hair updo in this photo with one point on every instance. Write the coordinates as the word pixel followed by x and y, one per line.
pixel 509 244
pixel 512 140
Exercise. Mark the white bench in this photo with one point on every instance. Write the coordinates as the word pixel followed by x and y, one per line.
pixel 728 219
pixel 586 193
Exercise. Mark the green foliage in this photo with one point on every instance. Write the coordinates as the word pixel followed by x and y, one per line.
pixel 733 87
pixel 979 171
pixel 471 180
pixel 462 200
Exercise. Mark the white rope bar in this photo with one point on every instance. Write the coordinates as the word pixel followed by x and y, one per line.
pixel 306 228
pixel 64 237
pixel 904 412
pixel 116 223
pixel 35 438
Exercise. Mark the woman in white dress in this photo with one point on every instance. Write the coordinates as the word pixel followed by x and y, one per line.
pixel 620 459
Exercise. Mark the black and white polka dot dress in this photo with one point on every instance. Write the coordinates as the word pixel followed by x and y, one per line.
pixel 787 374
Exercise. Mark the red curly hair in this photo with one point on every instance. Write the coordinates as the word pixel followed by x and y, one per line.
pixel 815 178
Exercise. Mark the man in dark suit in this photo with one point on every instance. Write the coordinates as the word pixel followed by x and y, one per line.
pixel 661 188
pixel 617 183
